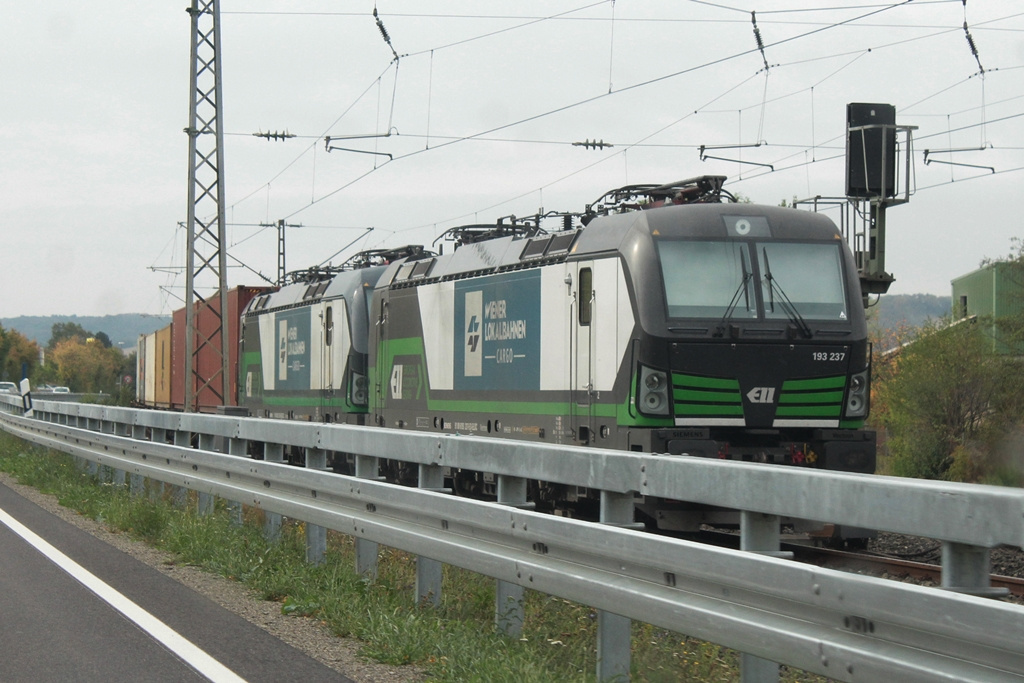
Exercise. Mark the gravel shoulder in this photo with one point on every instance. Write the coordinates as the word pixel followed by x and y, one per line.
pixel 307 635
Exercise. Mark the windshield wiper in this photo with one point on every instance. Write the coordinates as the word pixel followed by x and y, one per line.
pixel 736 297
pixel 787 306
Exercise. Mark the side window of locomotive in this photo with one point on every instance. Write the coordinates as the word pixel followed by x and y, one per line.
pixel 329 325
pixel 707 279
pixel 809 275
pixel 586 295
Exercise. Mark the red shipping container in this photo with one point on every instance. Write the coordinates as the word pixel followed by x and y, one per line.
pixel 207 363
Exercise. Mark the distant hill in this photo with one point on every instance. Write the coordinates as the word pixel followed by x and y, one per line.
pixel 123 330
pixel 913 310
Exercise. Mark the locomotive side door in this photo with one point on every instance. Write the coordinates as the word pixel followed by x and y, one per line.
pixel 581 351
pixel 327 349
pixel 333 350
pixel 379 355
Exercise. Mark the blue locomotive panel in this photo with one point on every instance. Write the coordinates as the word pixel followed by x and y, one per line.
pixel 497 332
pixel 292 370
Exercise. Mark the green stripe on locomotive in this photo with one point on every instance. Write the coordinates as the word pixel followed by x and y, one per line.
pixel 624 412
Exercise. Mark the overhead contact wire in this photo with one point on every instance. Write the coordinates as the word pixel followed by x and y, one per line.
pixel 595 98
pixel 611 49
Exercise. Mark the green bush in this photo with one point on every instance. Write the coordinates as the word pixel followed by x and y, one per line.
pixel 945 399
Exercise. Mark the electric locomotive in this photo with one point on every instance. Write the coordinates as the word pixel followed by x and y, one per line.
pixel 303 347
pixel 673 321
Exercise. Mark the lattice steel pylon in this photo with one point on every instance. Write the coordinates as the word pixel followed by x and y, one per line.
pixel 206 258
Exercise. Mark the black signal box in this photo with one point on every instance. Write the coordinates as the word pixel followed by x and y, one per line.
pixel 870 150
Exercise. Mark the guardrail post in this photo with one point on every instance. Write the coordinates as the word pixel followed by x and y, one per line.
pixel 367 467
pixel 316 536
pixel 272 452
pixel 91 467
pixel 105 473
pixel 428 571
pixel 966 569
pixel 179 494
pixel 759 533
pixel 136 482
pixel 508 607
pixel 207 442
pixel 239 447
pixel 613 630
pixel 121 429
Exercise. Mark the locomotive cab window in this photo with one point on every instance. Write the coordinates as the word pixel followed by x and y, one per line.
pixel 753 279
pixel 705 279
pixel 808 275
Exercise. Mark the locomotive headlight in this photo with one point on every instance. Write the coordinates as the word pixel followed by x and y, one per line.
pixel 857 395
pixel 358 389
pixel 653 402
pixel 653 395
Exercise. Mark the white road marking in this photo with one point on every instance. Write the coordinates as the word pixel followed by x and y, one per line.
pixel 161 632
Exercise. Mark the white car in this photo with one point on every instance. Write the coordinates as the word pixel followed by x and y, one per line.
pixel 9 388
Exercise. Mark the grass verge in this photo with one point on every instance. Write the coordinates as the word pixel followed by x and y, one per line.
pixel 455 642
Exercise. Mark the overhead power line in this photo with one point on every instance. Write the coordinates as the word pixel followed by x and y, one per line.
pixel 594 144
pixel 595 98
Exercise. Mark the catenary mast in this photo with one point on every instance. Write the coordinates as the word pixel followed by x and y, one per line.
pixel 206 256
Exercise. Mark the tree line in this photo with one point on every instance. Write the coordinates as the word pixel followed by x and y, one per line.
pixel 81 360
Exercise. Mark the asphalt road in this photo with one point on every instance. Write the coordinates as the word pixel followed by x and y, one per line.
pixel 72 608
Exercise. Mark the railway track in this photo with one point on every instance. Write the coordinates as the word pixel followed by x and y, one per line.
pixel 889 567
pixel 886 557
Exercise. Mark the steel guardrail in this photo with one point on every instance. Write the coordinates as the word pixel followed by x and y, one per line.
pixel 970 514
pixel 844 626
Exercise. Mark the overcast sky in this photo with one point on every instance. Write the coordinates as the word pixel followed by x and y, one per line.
pixel 489 98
